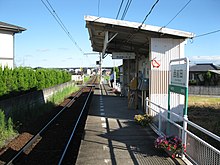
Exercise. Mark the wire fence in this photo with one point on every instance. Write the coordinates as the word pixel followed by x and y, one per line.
pixel 198 151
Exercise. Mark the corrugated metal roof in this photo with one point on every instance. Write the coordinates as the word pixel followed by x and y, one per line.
pixel 12 28
pixel 127 36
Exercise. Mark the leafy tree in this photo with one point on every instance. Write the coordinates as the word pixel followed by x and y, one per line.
pixel 59 77
pixel 7 73
pixel 22 85
pixel 2 122
pixel 208 77
pixel 26 75
pixel 40 76
pixel 3 88
pixel 22 79
pixel 48 78
pixel 32 80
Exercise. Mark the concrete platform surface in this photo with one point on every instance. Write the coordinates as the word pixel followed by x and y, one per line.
pixel 112 137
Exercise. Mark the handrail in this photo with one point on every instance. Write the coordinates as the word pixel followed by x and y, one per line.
pixel 214 136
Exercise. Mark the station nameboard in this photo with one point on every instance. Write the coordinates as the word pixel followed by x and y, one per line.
pixel 179 75
pixel 123 55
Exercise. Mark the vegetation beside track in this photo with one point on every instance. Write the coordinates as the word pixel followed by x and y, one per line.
pixel 6 128
pixel 61 95
pixel 86 79
pixel 24 117
pixel 204 101
pixel 15 81
pixel 205 111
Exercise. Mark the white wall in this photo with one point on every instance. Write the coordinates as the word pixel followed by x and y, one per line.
pixel 163 50
pixel 6 49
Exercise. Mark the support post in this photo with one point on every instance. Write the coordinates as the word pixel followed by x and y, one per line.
pixel 128 81
pixel 159 125
pixel 136 76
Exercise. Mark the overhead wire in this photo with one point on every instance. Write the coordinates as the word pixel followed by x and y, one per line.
pixel 205 34
pixel 148 13
pixel 126 9
pixel 176 15
pixel 119 8
pixel 60 22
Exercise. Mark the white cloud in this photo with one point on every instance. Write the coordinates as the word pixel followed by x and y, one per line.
pixel 43 50
pixel 201 58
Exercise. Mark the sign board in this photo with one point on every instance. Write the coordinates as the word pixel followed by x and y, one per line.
pixel 123 55
pixel 179 75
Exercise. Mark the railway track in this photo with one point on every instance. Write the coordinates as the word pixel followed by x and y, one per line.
pixel 58 141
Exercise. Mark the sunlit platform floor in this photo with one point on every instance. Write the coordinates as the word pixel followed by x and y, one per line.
pixel 112 137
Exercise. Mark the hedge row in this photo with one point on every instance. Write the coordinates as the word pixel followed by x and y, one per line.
pixel 23 79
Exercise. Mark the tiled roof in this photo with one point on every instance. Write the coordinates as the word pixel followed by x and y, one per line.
pixel 203 67
pixel 12 28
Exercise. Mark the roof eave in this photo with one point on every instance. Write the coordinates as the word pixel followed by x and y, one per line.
pixel 14 29
pixel 136 25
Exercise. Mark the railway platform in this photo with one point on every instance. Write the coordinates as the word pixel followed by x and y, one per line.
pixel 112 137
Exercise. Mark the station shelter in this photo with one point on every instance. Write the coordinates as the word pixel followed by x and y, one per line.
pixel 146 52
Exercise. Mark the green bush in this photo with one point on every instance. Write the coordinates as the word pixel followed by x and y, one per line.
pixel 192 82
pixel 3 88
pixel 23 79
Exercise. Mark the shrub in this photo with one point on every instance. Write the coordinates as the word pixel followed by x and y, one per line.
pixel 192 82
pixel 6 128
pixel 3 87
pixel 23 79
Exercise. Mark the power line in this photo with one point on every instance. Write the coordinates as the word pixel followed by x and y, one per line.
pixel 176 15
pixel 148 13
pixel 126 9
pixel 119 8
pixel 59 21
pixel 205 34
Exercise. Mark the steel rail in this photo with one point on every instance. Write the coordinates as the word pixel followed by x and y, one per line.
pixel 34 138
pixel 75 126
pixel 102 87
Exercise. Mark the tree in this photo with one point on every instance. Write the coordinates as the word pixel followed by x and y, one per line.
pixel 40 79
pixel 3 87
pixel 208 77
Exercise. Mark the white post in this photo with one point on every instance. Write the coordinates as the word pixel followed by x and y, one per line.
pixel 184 134
pixel 114 83
pixel 100 68
pixel 147 111
pixel 159 126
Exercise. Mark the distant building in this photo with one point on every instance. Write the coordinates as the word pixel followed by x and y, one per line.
pixel 198 74
pixel 7 32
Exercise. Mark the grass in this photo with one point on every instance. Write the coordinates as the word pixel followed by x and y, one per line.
pixel 6 129
pixel 204 101
pixel 59 96
pixel 205 111
pixel 86 79
pixel 23 117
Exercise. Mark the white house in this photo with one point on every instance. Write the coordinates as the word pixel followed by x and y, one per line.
pixel 7 33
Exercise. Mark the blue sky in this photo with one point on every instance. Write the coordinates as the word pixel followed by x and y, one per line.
pixel 45 44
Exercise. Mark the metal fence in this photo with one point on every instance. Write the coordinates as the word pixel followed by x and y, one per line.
pixel 197 151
